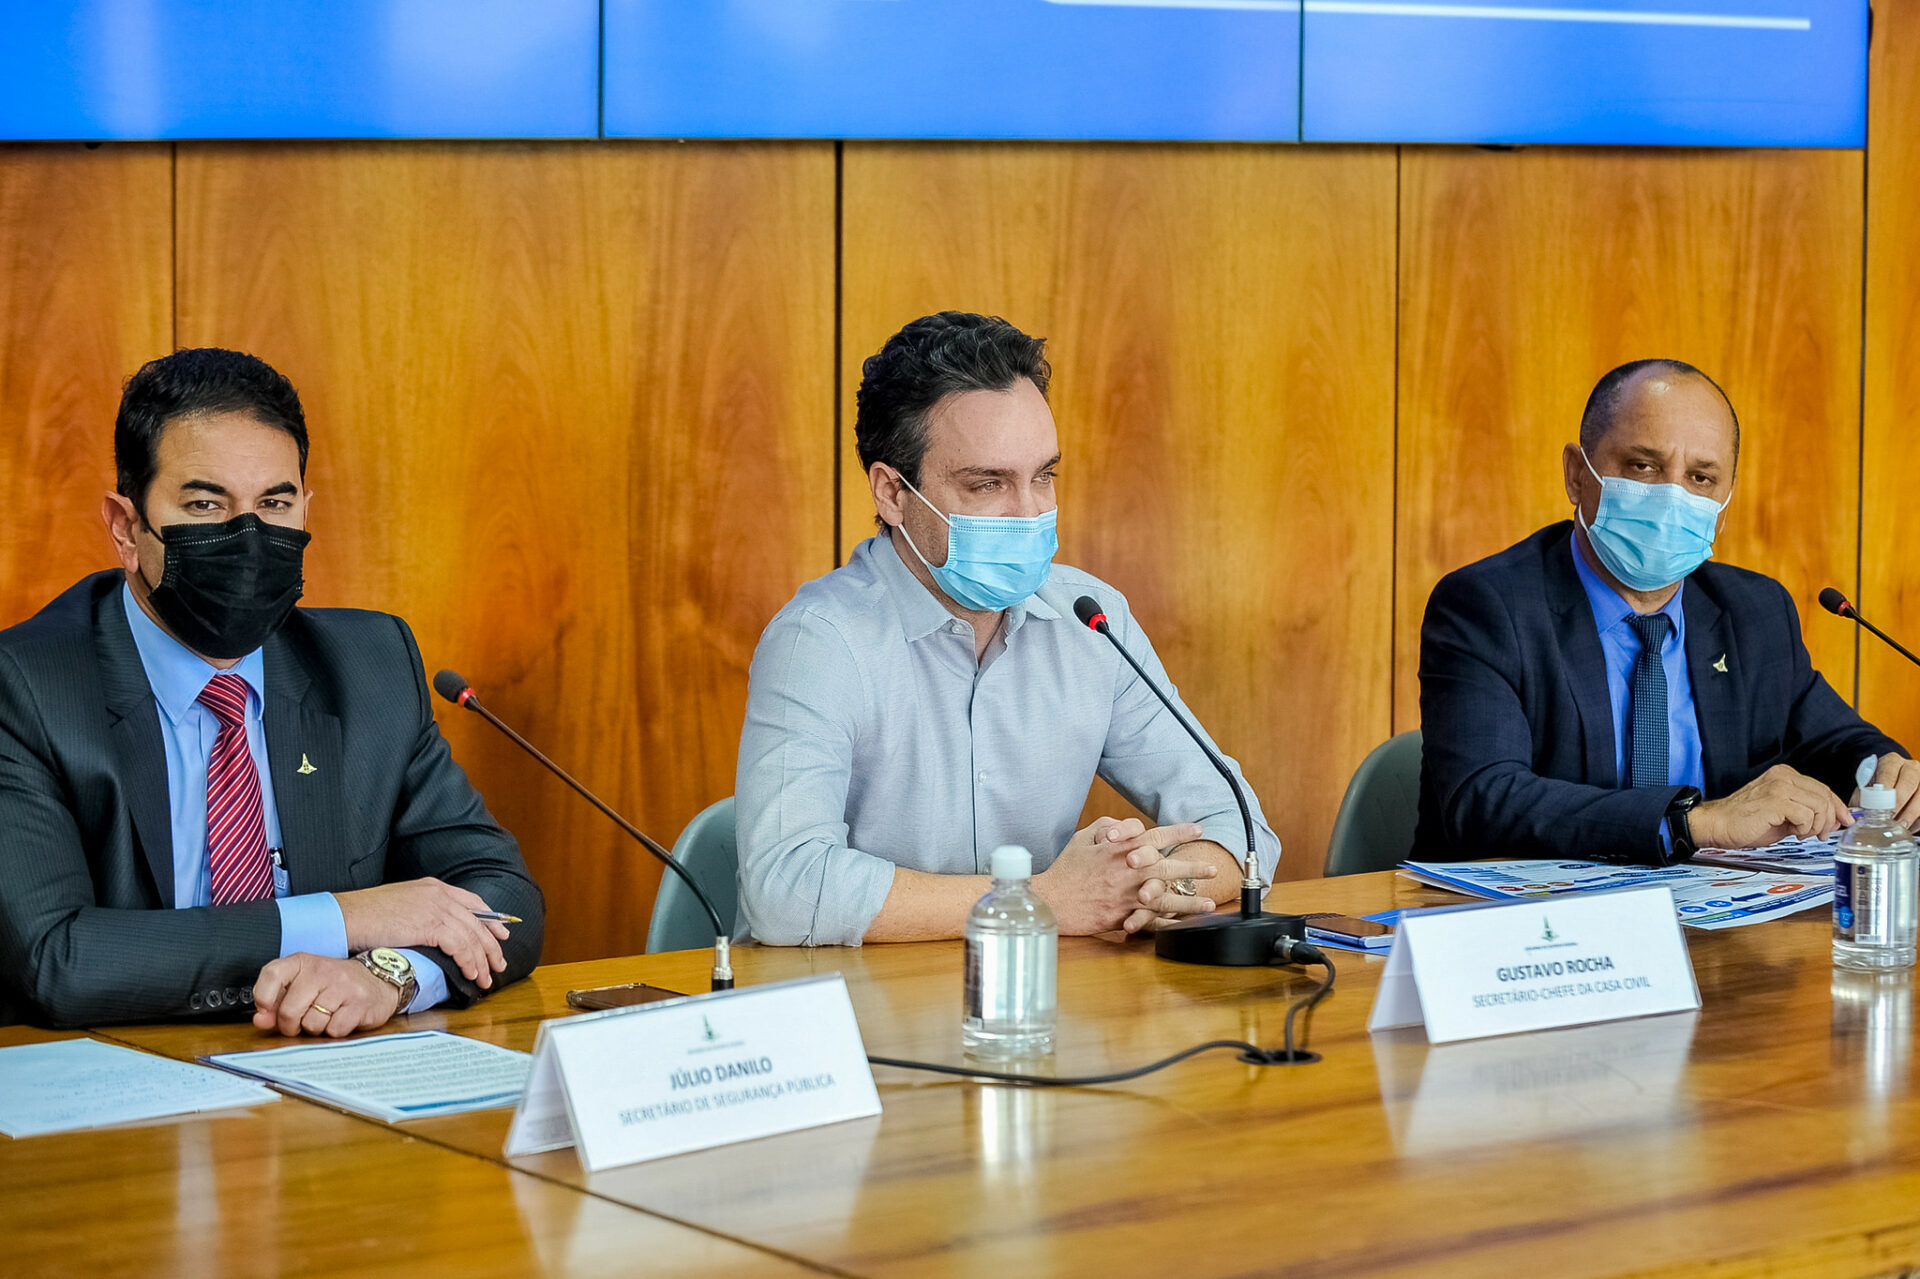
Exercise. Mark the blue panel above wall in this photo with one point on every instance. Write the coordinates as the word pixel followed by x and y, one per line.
pixel 1745 73
pixel 1202 70
pixel 152 69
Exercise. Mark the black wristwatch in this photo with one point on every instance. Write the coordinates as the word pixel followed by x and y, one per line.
pixel 1679 829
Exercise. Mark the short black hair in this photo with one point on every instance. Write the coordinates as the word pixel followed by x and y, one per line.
pixel 185 384
pixel 1603 406
pixel 930 359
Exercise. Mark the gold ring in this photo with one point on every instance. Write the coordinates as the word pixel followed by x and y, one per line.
pixel 1184 887
pixel 323 1010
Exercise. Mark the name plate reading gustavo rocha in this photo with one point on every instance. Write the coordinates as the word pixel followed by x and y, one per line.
pixel 1499 968
pixel 661 1079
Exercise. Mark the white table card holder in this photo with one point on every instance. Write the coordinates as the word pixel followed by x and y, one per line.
pixel 659 1079
pixel 1502 968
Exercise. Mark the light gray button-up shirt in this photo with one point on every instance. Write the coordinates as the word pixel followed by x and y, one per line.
pixel 873 739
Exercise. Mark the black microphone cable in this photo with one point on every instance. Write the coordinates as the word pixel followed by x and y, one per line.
pixel 1286 952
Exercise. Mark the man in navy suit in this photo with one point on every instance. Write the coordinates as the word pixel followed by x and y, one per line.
pixel 1602 691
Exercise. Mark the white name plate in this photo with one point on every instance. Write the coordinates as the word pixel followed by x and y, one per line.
pixel 661 1079
pixel 1499 968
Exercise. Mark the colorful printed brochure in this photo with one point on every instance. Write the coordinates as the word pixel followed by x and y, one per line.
pixel 1708 897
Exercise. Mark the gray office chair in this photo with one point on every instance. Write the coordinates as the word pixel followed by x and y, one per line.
pixel 708 851
pixel 1374 830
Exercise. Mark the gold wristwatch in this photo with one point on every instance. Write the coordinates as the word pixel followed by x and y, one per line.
pixel 393 968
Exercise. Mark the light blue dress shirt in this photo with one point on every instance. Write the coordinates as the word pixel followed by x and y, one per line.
pixel 1685 766
pixel 310 923
pixel 874 739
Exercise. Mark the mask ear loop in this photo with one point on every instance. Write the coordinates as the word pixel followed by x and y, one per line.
pixel 931 507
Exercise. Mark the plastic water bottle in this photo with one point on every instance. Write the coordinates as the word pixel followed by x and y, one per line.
pixel 1013 948
pixel 1876 891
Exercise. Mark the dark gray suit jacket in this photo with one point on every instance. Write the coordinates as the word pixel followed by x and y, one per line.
pixel 87 929
pixel 1518 757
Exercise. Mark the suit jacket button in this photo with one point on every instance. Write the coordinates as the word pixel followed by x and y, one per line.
pixel 213 999
pixel 246 994
pixel 197 1003
pixel 232 997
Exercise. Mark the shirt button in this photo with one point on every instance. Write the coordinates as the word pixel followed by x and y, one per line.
pixel 982 777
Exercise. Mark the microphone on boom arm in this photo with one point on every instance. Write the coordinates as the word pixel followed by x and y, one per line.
pixel 461 694
pixel 1252 935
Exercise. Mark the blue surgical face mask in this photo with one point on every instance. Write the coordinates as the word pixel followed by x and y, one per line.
pixel 993 561
pixel 1650 535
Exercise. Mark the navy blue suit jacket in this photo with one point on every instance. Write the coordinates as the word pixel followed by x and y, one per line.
pixel 1519 758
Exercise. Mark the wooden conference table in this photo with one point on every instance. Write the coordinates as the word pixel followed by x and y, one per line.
pixel 1775 1132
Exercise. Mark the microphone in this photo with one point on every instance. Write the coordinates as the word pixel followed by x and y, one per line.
pixel 461 694
pixel 1840 606
pixel 1252 936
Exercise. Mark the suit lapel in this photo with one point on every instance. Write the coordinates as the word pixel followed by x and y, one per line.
pixel 1718 708
pixel 1586 664
pixel 140 757
pixel 305 757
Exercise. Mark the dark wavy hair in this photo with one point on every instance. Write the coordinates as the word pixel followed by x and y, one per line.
pixel 930 359
pixel 185 384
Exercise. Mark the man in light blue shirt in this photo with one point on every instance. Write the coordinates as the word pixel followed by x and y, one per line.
pixel 936 697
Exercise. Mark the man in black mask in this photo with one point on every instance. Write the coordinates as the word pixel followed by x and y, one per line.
pixel 213 803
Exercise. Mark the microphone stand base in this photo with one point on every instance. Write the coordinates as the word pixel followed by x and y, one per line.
pixel 1230 940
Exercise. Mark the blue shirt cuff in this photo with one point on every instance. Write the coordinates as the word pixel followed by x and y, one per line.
pixel 312 924
pixel 433 983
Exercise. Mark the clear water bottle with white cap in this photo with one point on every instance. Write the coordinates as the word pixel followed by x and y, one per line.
pixel 1876 891
pixel 1013 949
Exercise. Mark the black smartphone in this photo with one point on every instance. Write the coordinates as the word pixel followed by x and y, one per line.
pixel 1349 927
pixel 619 996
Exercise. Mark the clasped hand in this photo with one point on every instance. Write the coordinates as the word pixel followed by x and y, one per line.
pixel 1120 875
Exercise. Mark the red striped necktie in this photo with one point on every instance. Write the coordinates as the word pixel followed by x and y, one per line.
pixel 236 828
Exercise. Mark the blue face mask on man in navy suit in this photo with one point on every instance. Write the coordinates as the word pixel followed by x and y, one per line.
pixel 1650 536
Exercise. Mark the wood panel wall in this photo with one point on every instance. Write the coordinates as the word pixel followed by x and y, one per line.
pixel 86 295
pixel 1889 569
pixel 574 405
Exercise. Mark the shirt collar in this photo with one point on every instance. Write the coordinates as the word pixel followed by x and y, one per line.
pixel 921 613
pixel 1609 610
pixel 176 673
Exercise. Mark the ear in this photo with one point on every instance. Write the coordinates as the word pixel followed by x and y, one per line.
pixel 123 527
pixel 889 494
pixel 1574 466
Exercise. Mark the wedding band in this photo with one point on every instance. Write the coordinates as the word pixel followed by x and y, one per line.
pixel 322 1010
pixel 1184 887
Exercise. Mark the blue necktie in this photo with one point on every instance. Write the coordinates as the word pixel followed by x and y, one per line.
pixel 1647 710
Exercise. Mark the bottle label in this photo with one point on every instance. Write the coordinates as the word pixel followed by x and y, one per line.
pixel 1011 979
pixel 1843 901
pixel 1862 911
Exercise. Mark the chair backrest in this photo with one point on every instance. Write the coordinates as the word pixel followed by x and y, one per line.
pixel 708 850
pixel 1374 830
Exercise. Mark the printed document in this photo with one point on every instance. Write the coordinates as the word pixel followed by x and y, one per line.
pixel 83 1083
pixel 391 1077
pixel 1794 856
pixel 1707 897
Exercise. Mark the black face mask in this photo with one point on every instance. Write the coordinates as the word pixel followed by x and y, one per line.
pixel 226 587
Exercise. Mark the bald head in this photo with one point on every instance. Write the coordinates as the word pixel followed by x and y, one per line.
pixel 1658 387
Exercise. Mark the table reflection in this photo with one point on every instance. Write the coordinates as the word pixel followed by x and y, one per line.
pixel 1518 1088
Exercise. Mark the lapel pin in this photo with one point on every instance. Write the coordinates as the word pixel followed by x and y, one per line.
pixel 1721 665
pixel 306 765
